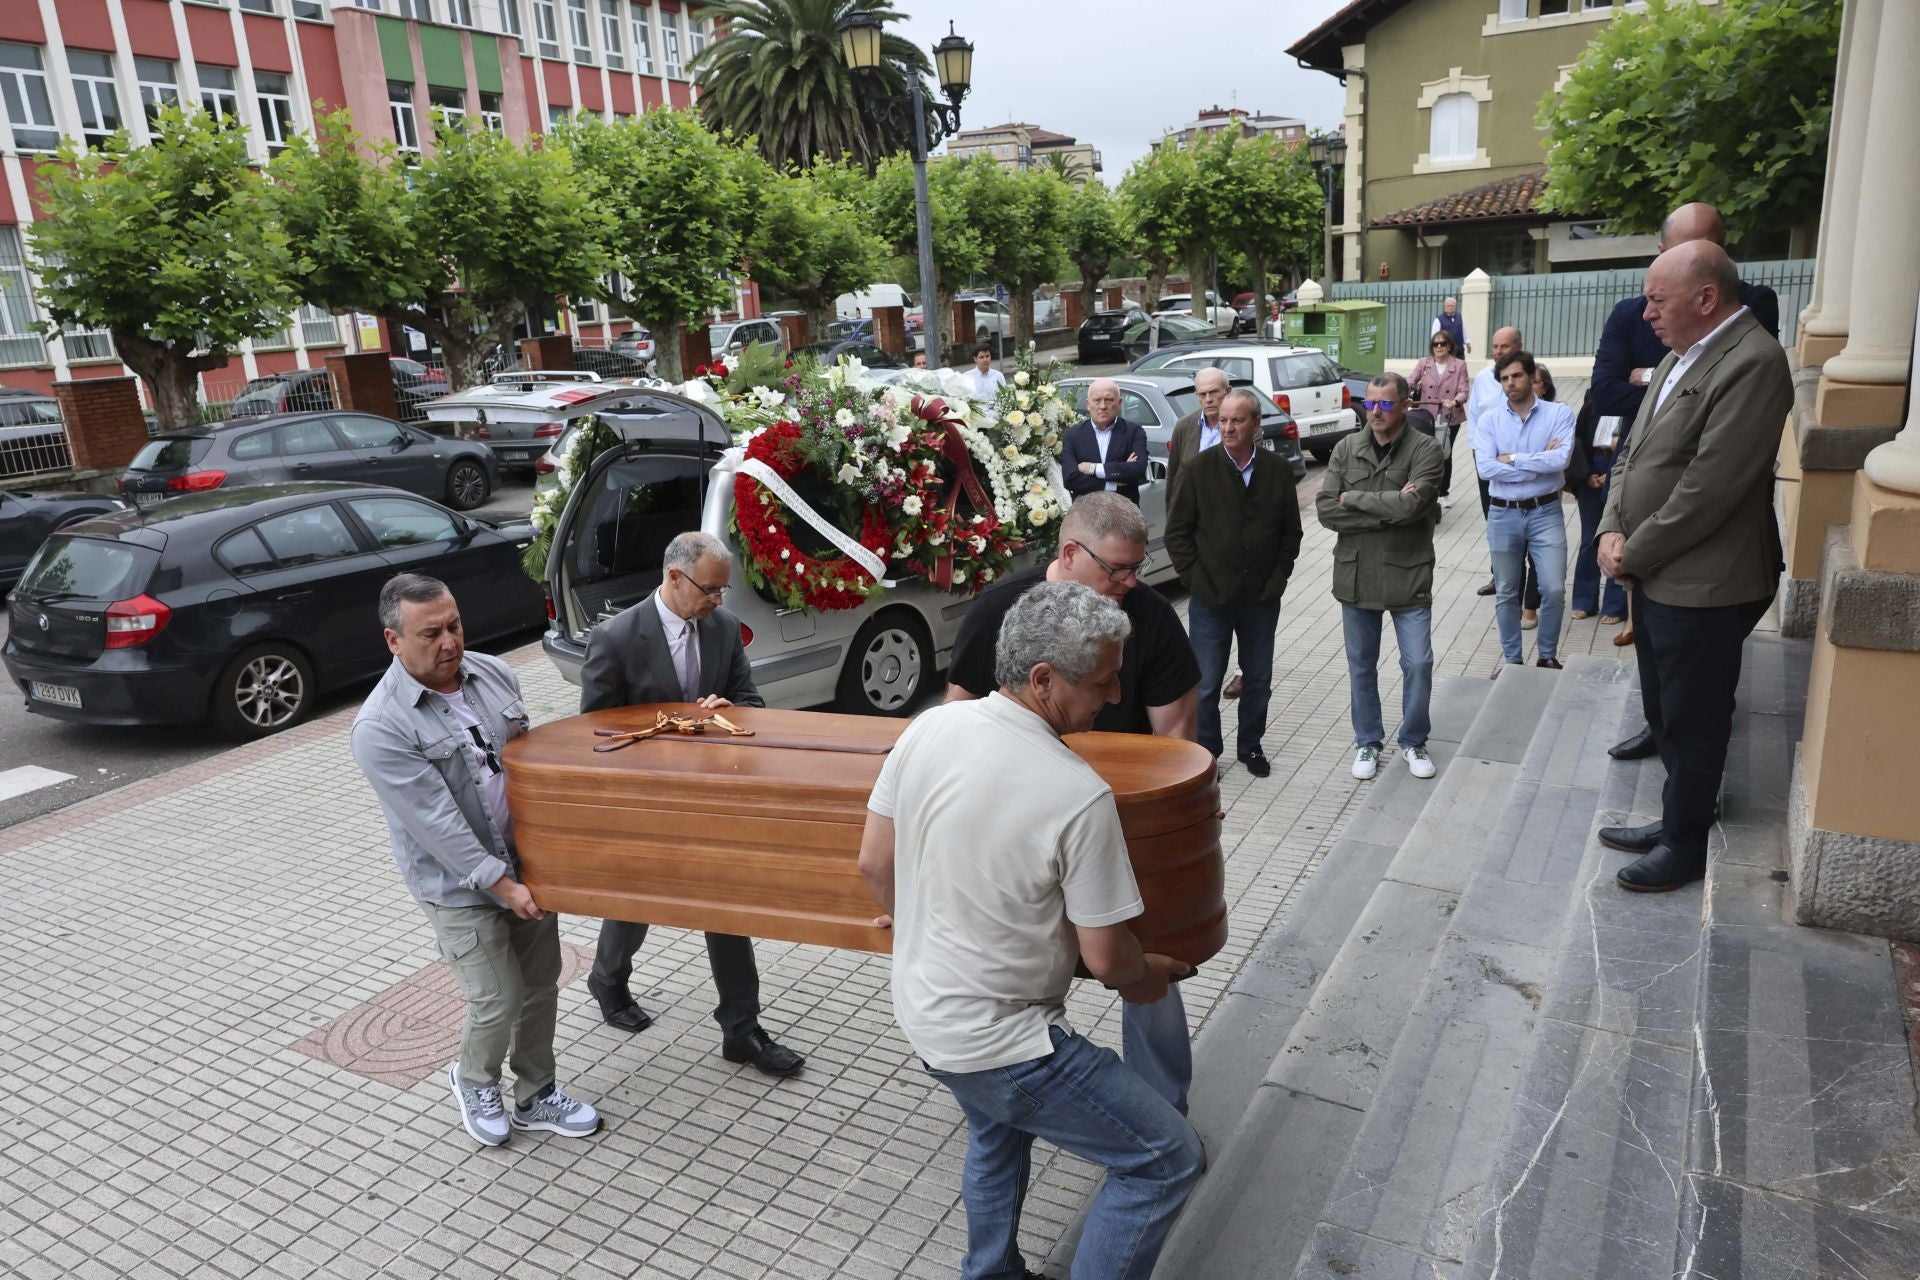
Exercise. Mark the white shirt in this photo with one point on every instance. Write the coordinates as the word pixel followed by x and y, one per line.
pixel 1692 353
pixel 1246 472
pixel 1101 436
pixel 1485 394
pixel 679 633
pixel 1209 436
pixel 984 386
pixel 1003 841
pixel 1533 470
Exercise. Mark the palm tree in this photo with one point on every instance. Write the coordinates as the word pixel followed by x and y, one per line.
pixel 1071 169
pixel 777 75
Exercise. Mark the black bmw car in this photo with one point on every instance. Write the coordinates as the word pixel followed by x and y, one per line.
pixel 243 605
pixel 26 518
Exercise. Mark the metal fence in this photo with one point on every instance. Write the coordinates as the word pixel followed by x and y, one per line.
pixel 1563 314
pixel 1411 307
pixel 33 436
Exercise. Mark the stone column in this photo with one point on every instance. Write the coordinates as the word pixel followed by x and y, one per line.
pixel 963 327
pixel 1476 313
pixel 1076 310
pixel 1886 263
pixel 1826 333
pixel 547 354
pixel 363 382
pixel 105 426
pixel 1116 298
pixel 1896 464
pixel 696 348
pixel 1827 203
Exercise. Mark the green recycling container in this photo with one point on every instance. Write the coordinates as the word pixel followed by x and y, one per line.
pixel 1353 331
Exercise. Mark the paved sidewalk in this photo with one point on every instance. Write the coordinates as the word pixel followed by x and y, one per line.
pixel 178 952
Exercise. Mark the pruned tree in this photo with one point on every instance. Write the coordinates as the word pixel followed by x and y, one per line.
pixel 1097 234
pixel 812 243
pixel 1021 218
pixel 1160 191
pixel 958 248
pixel 1266 200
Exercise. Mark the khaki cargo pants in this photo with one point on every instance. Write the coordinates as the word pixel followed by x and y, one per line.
pixel 508 969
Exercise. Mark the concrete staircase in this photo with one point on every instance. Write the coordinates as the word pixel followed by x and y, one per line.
pixel 1467 1053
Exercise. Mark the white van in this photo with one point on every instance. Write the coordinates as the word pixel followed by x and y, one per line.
pixel 861 304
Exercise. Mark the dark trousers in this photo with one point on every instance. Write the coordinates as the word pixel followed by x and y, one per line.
pixel 1588 594
pixel 1213 631
pixel 735 975
pixel 1689 668
pixel 1530 582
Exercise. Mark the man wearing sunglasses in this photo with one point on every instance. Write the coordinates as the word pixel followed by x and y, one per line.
pixel 679 645
pixel 1380 496
pixel 1103 545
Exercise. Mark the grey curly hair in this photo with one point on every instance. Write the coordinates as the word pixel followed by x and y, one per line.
pixel 1062 624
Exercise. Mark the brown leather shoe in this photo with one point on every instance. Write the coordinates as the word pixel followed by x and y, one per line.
pixel 1233 687
pixel 1625 637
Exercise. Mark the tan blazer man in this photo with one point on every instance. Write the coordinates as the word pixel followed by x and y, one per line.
pixel 1209 388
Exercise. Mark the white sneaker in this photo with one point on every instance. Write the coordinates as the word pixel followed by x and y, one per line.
pixel 1366 762
pixel 1445 503
pixel 555 1112
pixel 480 1110
pixel 1419 763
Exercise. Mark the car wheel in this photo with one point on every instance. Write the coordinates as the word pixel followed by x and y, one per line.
pixel 264 690
pixel 467 485
pixel 887 666
pixel 983 336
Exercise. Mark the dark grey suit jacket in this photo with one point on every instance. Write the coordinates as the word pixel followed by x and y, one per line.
pixel 628 661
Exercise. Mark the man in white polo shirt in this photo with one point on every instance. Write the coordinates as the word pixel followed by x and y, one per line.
pixel 999 854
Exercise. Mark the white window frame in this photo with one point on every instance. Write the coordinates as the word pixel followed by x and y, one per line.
pixel 493 114
pixel 418 10
pixel 670 38
pixel 260 6
pixel 546 27
pixel 277 120
pixel 155 94
pixel 586 310
pixel 697 35
pixel 460 12
pixel 611 38
pixel 1513 10
pixel 222 102
pixel 28 93
pixel 406 120
pixel 510 18
pixel 456 112
pixel 97 95
pixel 318 327
pixel 21 343
pixel 643 38
pixel 1453 131
pixel 580 30
pixel 83 345
pixel 280 339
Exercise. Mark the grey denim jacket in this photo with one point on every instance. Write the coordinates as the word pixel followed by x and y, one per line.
pixel 418 759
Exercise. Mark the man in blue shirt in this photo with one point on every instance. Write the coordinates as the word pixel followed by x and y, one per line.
pixel 1521 448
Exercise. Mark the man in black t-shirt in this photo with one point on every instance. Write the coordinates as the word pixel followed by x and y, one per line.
pixel 1103 543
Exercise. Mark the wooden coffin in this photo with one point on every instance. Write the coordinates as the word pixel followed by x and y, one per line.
pixel 761 836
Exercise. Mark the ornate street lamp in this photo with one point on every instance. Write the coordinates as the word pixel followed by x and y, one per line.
pixel 932 121
pixel 1329 152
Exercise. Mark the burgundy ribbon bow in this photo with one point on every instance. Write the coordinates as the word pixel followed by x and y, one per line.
pixel 954 450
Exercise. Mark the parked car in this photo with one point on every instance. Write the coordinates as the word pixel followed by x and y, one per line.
pixel 1223 317
pixel 33 436
pixel 852 327
pixel 357 448
pixel 1103 336
pixel 1300 380
pixel 243 605
pixel 860 348
pixel 27 518
pixel 732 338
pixel 1250 314
pixel 419 372
pixel 637 343
pixel 1172 328
pixel 1159 400
pixel 311 390
pixel 990 317
pixel 517 415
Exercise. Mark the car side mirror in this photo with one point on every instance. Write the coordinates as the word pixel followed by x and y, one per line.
pixel 1157 470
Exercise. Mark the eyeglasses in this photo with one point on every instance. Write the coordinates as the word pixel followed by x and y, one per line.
pixel 711 593
pixel 1435 346
pixel 485 748
pixel 1115 572
pixel 1380 406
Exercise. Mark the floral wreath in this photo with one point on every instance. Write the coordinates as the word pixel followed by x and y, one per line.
pixel 777 564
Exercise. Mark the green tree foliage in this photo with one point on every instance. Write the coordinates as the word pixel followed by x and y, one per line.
pixel 167 246
pixel 681 201
pixel 1097 235
pixel 813 241
pixel 1021 218
pixel 778 76
pixel 1264 199
pixel 958 247
pixel 1163 199
pixel 459 246
pixel 1726 103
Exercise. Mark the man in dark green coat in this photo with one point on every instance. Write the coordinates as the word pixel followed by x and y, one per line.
pixel 1381 495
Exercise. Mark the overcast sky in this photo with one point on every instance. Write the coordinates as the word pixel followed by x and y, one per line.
pixel 1118 73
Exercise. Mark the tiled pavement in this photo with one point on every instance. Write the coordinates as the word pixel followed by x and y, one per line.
pixel 168 945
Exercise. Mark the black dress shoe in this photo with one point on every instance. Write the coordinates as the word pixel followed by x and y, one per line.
pixel 763 1052
pixel 1662 871
pixel 617 1008
pixel 1638 747
pixel 1256 762
pixel 1487 590
pixel 1551 664
pixel 1632 839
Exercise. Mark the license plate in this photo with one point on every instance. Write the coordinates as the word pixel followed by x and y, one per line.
pixel 60 695
pixel 518 453
pixel 148 499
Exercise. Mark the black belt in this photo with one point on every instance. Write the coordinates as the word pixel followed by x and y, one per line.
pixel 1525 504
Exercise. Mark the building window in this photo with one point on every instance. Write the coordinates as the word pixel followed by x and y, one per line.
pixel 452 103
pixel 87 344
pixel 374 5
pixel 557 116
pixel 697 29
pixel 586 310
pixel 318 328
pixel 258 6
pixel 276 108
pixel 670 40
pixel 419 9
pixel 20 342
pixel 217 94
pixel 610 36
pixel 510 17
pixel 93 87
pixel 460 12
pixel 406 126
pixel 309 9
pixel 491 115
pixel 642 40
pixel 159 87
pixel 1596 4
pixel 546 27
pixel 581 28
pixel 1455 131
pixel 1513 10
pixel 1553 8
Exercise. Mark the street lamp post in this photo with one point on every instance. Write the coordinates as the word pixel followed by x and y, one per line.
pixel 1329 152
pixel 953 61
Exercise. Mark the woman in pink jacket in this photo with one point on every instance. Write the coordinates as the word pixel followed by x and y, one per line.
pixel 1440 386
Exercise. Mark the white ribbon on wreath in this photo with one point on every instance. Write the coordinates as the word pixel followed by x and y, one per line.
pixel 799 506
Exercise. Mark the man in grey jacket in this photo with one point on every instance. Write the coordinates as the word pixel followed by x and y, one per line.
pixel 1381 497
pixel 428 740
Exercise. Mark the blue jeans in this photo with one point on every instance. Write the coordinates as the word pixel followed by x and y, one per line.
pixel 1514 535
pixel 1213 632
pixel 1154 1042
pixel 1413 629
pixel 1085 1101
pixel 1587 595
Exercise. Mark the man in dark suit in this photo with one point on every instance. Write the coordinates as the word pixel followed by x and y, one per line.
pixel 1689 530
pixel 1629 351
pixel 679 645
pixel 1105 451
pixel 1233 532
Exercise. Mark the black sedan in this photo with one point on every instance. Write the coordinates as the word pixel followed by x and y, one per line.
pixel 244 605
pixel 312 389
pixel 1103 336
pixel 827 354
pixel 27 518
pixel 356 448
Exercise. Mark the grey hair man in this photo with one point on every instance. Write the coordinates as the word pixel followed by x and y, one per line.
pixel 680 645
pixel 1450 321
pixel 999 856
pixel 429 739
pixel 1103 545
